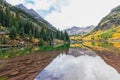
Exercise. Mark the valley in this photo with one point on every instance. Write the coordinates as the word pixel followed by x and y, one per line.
pixel 49 40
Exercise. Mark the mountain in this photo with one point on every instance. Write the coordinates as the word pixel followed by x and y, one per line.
pixel 34 14
pixel 3 1
pixel 108 28
pixel 22 26
pixel 30 11
pixel 79 30
pixel 112 19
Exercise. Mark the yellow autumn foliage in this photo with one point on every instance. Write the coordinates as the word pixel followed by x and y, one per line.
pixel 35 49
pixel 118 30
pixel 75 45
pixel 75 37
pixel 35 40
pixel 116 44
pixel 116 36
pixel 87 38
pixel 87 43
pixel 113 33
pixel 72 37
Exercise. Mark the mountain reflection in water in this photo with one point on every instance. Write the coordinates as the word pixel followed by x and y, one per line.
pixel 78 64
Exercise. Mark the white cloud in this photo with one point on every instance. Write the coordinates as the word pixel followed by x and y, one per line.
pixel 40 4
pixel 82 13
pixel 15 2
pixel 69 13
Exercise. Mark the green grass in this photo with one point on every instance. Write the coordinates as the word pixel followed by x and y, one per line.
pixel 108 33
pixel 4 78
pixel 53 48
pixel 7 53
pixel 14 52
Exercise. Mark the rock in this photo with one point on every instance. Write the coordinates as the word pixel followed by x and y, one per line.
pixel 14 73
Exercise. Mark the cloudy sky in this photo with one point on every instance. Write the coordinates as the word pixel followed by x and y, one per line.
pixel 67 13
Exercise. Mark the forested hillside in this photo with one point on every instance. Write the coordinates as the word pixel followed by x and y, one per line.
pixel 17 26
pixel 107 29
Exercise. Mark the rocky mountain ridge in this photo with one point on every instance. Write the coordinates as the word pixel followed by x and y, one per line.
pixel 34 14
pixel 79 30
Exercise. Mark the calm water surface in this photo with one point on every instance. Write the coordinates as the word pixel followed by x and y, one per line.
pixel 80 63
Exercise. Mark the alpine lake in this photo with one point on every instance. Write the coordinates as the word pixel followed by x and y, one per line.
pixel 77 61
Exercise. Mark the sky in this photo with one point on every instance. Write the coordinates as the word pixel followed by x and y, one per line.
pixel 67 13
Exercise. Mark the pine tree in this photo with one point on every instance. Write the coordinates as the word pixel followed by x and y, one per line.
pixel 30 36
pixel 4 41
pixel 58 35
pixel 62 35
pixel 41 42
pixel 67 39
pixel 13 32
pixel 22 32
pixel 7 17
pixel 43 34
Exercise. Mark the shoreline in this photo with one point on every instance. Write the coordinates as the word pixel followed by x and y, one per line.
pixel 25 67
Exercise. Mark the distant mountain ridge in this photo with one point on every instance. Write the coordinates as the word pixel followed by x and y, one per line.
pixel 79 30
pixel 29 11
pixel 34 14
